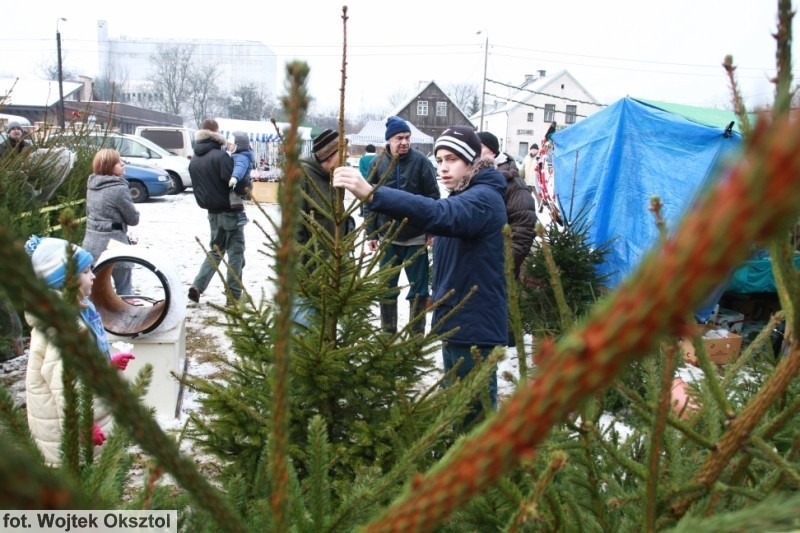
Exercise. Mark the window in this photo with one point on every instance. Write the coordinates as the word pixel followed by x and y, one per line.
pixel 572 111
pixel 441 109
pixel 530 117
pixel 422 108
pixel 549 112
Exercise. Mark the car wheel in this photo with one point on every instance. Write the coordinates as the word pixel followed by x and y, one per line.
pixel 138 192
pixel 177 184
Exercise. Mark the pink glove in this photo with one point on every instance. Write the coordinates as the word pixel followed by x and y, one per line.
pixel 120 360
pixel 98 437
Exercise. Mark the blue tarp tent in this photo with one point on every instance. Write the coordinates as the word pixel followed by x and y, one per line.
pixel 614 161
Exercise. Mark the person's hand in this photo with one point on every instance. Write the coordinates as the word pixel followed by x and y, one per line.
pixel 350 178
pixel 232 183
pixel 98 437
pixel 120 360
pixel 372 245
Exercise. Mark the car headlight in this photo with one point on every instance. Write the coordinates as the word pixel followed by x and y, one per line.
pixel 163 177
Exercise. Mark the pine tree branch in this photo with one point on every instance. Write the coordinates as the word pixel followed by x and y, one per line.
pixel 711 240
pixel 740 428
pixel 515 319
pixel 783 56
pixel 784 467
pixel 654 454
pixel 296 104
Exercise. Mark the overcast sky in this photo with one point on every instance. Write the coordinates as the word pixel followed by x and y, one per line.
pixel 668 51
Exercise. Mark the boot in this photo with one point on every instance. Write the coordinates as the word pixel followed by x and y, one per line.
pixel 389 317
pixel 417 308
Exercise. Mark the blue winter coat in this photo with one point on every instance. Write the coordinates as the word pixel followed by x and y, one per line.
pixel 468 252
pixel 243 162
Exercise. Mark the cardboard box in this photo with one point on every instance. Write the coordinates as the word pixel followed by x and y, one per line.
pixel 265 191
pixel 720 350
pixel 729 319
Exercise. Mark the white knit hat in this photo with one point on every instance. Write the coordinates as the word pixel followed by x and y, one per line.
pixel 49 259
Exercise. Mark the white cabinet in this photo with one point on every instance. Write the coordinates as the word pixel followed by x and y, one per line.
pixel 166 352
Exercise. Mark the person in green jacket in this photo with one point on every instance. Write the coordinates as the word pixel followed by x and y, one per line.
pixel 366 159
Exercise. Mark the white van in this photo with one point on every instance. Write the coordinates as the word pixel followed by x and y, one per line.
pixel 5 119
pixel 178 141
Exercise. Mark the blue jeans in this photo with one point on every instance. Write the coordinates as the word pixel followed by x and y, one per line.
pixel 228 236
pixel 451 353
pixel 122 280
pixel 416 271
pixel 303 312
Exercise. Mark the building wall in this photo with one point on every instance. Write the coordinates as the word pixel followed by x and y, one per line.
pixel 511 124
pixel 431 123
pixel 238 62
pixel 518 134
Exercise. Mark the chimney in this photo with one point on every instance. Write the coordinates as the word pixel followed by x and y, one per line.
pixel 528 79
pixel 541 73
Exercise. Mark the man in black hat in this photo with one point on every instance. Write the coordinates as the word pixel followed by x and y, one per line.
pixel 318 166
pixel 14 144
pixel 520 207
pixel 317 196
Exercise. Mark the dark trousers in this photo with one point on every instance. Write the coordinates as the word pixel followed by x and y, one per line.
pixel 451 353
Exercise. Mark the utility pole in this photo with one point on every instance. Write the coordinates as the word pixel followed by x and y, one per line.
pixel 60 76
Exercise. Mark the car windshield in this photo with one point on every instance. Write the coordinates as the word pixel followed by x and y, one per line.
pixel 149 144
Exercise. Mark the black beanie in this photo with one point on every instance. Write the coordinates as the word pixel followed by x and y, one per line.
pixel 462 141
pixel 490 142
pixel 325 145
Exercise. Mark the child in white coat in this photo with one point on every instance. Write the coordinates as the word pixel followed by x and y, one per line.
pixel 44 386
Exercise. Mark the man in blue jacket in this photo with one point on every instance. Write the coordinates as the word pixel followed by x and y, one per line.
pixel 468 250
pixel 211 169
pixel 403 168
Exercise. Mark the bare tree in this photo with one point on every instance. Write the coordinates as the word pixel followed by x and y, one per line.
pixel 397 97
pixel 171 69
pixel 48 69
pixel 205 95
pixel 462 94
pixel 112 82
pixel 250 102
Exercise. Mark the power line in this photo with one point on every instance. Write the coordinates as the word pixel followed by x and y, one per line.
pixel 638 70
pixel 534 106
pixel 373 50
pixel 545 94
pixel 605 58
